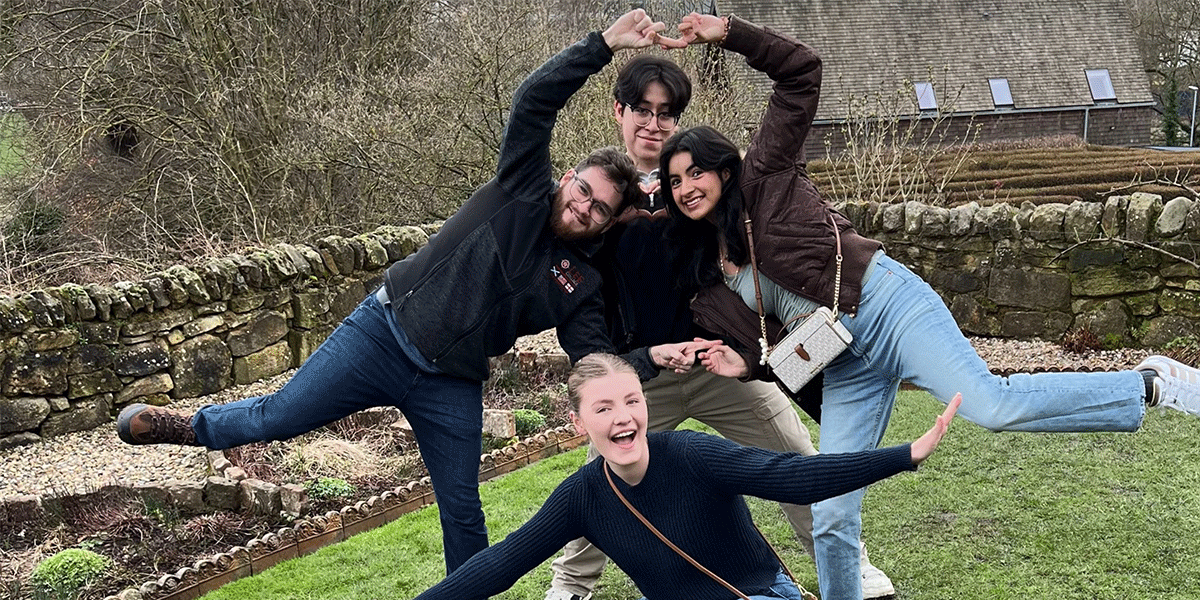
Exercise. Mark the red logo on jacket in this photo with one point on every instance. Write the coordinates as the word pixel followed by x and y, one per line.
pixel 566 276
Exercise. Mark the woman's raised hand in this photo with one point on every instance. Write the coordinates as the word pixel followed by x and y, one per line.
pixel 634 29
pixel 696 29
pixel 925 445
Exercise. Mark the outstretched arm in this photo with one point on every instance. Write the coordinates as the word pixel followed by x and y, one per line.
pixel 791 477
pixel 497 567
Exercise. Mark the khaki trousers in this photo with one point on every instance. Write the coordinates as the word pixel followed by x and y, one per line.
pixel 752 413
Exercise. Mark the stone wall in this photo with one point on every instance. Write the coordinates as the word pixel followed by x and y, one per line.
pixel 1125 268
pixel 71 357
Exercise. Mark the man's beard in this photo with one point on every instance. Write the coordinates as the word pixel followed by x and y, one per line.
pixel 560 228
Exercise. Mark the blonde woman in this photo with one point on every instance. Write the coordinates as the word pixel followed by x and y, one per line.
pixel 687 484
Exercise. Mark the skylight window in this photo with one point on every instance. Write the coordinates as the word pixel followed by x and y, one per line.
pixel 926 99
pixel 1001 95
pixel 1101 85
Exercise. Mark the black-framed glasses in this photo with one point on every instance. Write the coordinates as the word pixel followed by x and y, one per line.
pixel 642 116
pixel 598 211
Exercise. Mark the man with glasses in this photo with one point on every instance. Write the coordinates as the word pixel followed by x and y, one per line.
pixel 512 261
pixel 644 308
pixel 581 193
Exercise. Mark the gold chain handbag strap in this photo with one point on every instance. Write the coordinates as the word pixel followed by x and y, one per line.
pixel 803 592
pixel 762 317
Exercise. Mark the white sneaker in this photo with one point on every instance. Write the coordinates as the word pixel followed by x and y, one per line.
pixel 557 594
pixel 1177 385
pixel 875 584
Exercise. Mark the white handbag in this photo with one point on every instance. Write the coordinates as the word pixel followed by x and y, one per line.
pixel 812 345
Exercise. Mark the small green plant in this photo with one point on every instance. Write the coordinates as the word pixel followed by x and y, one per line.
pixel 491 442
pixel 528 421
pixel 163 514
pixel 1112 341
pixel 1180 342
pixel 1140 330
pixel 64 575
pixel 327 488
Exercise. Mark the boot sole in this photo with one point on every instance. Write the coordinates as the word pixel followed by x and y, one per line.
pixel 123 421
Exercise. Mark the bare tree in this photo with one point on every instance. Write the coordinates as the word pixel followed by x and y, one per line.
pixel 159 130
pixel 185 123
pixel 1168 38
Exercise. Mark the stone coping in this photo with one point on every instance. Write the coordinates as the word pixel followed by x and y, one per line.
pixel 309 534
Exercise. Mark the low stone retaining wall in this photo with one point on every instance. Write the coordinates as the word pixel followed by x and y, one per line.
pixel 313 533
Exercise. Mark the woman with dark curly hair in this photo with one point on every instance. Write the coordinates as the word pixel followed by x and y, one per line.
pixel 807 255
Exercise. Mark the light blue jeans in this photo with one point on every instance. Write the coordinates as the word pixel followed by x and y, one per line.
pixel 904 332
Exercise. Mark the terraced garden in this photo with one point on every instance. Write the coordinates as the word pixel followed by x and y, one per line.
pixel 1038 172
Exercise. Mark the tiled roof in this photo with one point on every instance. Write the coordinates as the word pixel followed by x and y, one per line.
pixel 1042 48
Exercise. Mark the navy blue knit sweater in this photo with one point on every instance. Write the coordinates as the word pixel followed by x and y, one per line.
pixel 692 492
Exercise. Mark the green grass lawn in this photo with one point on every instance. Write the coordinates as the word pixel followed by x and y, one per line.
pixel 1011 515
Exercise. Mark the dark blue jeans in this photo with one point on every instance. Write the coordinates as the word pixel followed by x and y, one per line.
pixel 359 366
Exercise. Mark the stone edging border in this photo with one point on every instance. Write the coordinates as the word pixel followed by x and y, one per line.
pixel 312 533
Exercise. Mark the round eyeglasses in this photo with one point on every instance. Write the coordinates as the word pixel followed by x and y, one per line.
pixel 598 212
pixel 642 116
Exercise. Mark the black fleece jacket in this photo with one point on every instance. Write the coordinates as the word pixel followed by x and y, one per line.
pixel 495 271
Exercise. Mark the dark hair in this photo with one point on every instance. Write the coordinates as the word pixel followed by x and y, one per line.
pixel 590 367
pixel 617 168
pixel 695 242
pixel 642 70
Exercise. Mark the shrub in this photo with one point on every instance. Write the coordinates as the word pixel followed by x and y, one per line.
pixel 1081 340
pixel 529 421
pixel 327 488
pixel 64 575
pixel 891 158
pixel 1184 349
pixel 34 225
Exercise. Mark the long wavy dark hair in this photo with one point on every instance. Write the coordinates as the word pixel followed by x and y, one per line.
pixel 696 242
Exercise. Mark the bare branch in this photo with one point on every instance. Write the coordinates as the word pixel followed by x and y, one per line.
pixel 1125 242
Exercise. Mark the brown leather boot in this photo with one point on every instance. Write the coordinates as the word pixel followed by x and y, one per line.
pixel 144 424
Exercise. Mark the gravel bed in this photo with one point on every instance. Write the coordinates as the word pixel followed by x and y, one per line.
pixel 82 461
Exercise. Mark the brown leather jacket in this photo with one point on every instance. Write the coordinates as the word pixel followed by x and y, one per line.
pixel 793 235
